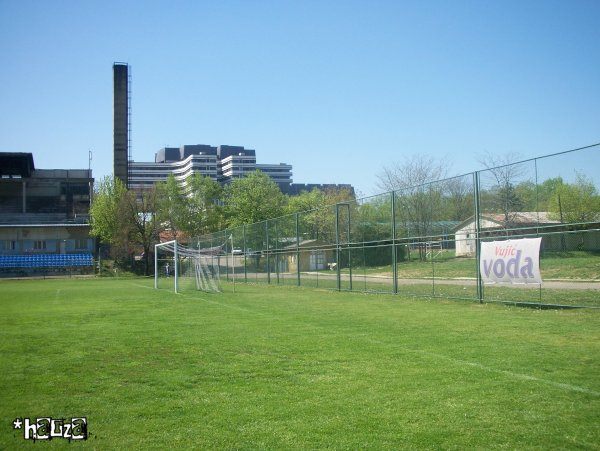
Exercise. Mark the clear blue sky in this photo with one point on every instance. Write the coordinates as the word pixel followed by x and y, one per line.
pixel 337 89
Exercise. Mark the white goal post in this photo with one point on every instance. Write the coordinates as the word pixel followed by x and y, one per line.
pixel 165 245
pixel 185 267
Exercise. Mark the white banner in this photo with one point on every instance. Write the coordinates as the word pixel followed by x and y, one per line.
pixel 511 261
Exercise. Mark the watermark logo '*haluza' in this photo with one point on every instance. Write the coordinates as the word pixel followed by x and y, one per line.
pixel 47 428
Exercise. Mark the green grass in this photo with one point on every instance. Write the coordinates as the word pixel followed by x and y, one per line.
pixel 572 265
pixel 280 367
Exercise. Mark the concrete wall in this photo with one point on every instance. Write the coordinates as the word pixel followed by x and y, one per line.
pixel 59 239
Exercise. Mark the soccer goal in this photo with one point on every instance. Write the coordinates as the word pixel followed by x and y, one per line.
pixel 178 267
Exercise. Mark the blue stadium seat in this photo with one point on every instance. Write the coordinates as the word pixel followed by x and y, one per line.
pixel 46 260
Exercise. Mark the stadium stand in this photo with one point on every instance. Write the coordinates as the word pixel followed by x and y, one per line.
pixel 46 261
pixel 44 219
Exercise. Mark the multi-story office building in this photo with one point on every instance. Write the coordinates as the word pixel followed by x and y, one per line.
pixel 236 162
pixel 182 162
pixel 222 163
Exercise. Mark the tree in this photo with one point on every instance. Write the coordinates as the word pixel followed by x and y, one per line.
pixel 373 221
pixel 547 190
pixel 252 199
pixel 528 194
pixel 575 203
pixel 125 219
pixel 458 199
pixel 317 211
pixel 106 223
pixel 419 198
pixel 306 200
pixel 171 206
pixel 412 172
pixel 138 210
pixel 504 172
pixel 204 212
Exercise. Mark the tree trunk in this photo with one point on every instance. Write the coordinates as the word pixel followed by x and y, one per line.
pixel 146 260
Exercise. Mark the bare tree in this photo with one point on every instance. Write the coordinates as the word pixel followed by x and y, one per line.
pixel 413 171
pixel 505 171
pixel 458 199
pixel 419 198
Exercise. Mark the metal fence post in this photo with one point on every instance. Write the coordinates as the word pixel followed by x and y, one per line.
pixel 297 249
pixel 349 250
pixel 155 266
pixel 268 256
pixel 394 250
pixel 277 252
pixel 337 246
pixel 226 257
pixel 245 253
pixel 476 182
pixel 176 264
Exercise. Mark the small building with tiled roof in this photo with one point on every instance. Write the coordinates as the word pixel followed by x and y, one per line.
pixel 519 223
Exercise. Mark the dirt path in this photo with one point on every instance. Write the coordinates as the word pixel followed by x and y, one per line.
pixel 555 284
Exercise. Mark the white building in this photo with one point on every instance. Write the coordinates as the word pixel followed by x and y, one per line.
pixel 495 224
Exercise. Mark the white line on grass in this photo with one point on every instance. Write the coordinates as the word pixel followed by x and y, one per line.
pixel 512 374
pixel 235 307
pixel 142 286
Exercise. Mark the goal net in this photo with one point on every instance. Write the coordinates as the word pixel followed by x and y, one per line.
pixel 178 267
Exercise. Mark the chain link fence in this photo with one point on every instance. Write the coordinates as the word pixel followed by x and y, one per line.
pixel 425 240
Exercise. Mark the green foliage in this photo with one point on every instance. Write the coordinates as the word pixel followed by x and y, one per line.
pixel 306 200
pixel 546 190
pixel 506 200
pixel 140 223
pixel 373 220
pixel 172 209
pixel 204 212
pixel 575 203
pixel 105 219
pixel 191 211
pixel 125 220
pixel 457 203
pixel 528 193
pixel 317 212
pixel 253 198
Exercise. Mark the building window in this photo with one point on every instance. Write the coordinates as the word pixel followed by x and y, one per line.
pixel 9 245
pixel 39 245
pixel 80 244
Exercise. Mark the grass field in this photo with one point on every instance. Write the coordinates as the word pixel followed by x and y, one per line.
pixel 282 367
